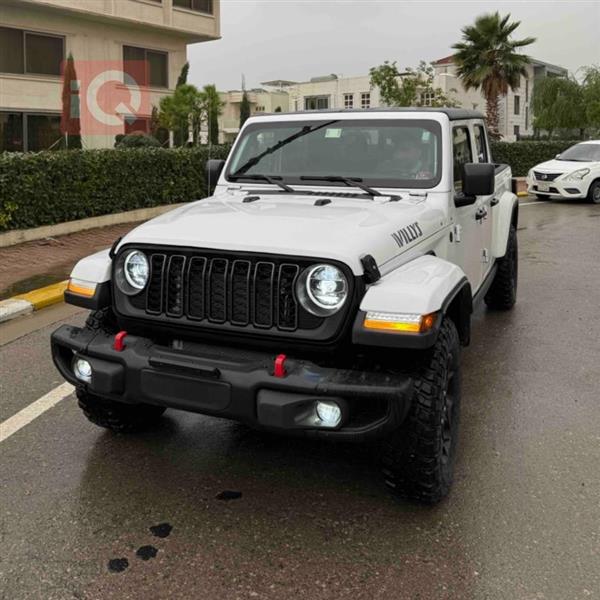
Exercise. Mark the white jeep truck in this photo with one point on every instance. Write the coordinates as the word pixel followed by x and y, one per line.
pixel 324 288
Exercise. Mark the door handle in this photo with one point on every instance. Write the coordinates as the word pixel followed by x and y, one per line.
pixel 494 201
pixel 481 214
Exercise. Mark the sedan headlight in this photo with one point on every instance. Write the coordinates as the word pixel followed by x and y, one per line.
pixel 322 289
pixel 578 175
pixel 132 273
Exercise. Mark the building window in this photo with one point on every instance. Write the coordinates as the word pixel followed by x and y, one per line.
pixel 316 102
pixel 517 105
pixel 27 132
pixel 260 109
pixel 527 90
pixel 139 125
pixel 348 100
pixel 25 52
pixel 427 98
pixel 527 118
pixel 205 6
pixel 365 100
pixel 147 67
pixel 517 131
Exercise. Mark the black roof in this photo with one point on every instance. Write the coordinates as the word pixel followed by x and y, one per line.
pixel 454 114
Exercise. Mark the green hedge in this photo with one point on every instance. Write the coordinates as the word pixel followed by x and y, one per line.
pixel 522 156
pixel 53 187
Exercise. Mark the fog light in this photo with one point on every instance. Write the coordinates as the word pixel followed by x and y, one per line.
pixel 329 413
pixel 82 370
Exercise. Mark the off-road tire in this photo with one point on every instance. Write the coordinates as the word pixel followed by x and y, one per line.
pixel 594 192
pixel 118 416
pixel 502 294
pixel 418 458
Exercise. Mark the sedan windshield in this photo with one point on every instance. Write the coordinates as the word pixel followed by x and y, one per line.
pixel 582 153
pixel 377 152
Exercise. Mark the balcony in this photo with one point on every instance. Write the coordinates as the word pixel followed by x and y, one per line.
pixel 190 19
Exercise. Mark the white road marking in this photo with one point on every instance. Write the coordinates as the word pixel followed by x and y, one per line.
pixel 530 203
pixel 34 410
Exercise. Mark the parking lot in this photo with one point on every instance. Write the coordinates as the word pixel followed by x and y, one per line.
pixel 312 520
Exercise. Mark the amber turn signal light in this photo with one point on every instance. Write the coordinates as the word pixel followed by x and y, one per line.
pixel 400 322
pixel 80 290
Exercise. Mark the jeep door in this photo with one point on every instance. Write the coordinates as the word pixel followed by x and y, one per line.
pixel 468 237
pixel 485 204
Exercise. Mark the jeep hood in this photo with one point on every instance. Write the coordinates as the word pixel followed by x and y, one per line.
pixel 343 230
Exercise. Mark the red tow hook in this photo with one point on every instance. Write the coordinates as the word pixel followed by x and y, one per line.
pixel 279 367
pixel 119 344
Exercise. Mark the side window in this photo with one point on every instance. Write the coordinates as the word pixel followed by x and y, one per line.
pixel 463 153
pixel 480 144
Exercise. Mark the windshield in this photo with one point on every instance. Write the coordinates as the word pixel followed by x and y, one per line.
pixel 385 153
pixel 582 153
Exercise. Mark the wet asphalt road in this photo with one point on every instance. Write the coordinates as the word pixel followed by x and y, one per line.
pixel 313 520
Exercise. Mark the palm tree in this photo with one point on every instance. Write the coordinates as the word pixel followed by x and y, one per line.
pixel 488 58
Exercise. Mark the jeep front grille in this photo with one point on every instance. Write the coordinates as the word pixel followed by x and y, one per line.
pixel 243 292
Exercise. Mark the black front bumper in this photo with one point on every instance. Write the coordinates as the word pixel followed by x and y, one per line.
pixel 234 384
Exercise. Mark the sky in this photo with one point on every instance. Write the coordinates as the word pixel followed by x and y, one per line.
pixel 299 39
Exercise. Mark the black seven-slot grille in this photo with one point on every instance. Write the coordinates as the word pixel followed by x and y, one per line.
pixel 257 291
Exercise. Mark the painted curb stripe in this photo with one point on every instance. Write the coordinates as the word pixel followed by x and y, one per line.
pixel 24 304
pixel 34 410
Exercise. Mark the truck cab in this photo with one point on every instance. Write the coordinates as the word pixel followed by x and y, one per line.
pixel 323 288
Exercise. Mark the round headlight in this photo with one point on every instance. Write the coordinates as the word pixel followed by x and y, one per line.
pixel 136 269
pixel 322 289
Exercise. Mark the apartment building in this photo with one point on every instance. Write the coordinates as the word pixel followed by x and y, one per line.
pixel 515 111
pixel 37 35
pixel 331 91
pixel 261 101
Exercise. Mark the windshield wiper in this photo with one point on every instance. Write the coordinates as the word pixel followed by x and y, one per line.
pixel 351 181
pixel 272 179
pixel 256 159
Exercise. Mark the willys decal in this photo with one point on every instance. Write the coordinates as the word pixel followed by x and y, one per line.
pixel 408 234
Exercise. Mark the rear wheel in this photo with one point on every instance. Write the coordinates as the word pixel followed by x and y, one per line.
pixel 118 416
pixel 418 458
pixel 502 294
pixel 594 192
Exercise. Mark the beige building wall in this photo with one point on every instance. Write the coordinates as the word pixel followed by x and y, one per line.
pixel 261 101
pixel 335 90
pixel 99 33
pixel 515 111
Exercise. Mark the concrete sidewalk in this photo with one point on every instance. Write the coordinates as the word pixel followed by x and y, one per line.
pixel 32 265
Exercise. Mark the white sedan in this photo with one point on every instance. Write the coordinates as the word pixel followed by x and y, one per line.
pixel 573 174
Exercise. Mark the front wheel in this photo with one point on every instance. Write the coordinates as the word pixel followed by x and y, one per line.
pixel 594 192
pixel 418 458
pixel 118 416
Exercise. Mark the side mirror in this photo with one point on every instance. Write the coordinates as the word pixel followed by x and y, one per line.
pixel 479 179
pixel 212 173
pixel 557 156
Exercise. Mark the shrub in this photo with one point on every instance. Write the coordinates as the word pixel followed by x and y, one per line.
pixel 522 156
pixel 138 139
pixel 53 187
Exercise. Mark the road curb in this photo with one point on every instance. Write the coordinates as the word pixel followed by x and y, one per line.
pixel 24 304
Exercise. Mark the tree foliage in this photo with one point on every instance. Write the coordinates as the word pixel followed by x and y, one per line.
pixel 488 58
pixel 591 96
pixel 213 109
pixel 182 79
pixel 181 111
pixel 412 87
pixel 244 108
pixel 70 123
pixel 557 103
